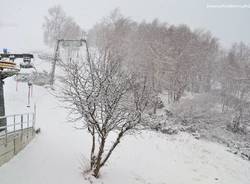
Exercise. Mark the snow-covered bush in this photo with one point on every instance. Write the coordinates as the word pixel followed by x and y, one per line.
pixel 198 107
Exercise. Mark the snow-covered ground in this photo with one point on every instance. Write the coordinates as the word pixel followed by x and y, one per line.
pixel 59 152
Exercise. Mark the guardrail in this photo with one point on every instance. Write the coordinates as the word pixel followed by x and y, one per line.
pixel 17 124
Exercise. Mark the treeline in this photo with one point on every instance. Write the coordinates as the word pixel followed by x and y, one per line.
pixel 176 59
pixel 173 59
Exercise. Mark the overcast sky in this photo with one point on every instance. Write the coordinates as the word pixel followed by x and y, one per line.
pixel 21 20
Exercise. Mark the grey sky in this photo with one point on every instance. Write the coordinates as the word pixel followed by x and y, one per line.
pixel 21 20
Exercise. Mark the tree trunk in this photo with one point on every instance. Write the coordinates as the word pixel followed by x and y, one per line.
pixel 112 148
pixel 92 155
pixel 97 165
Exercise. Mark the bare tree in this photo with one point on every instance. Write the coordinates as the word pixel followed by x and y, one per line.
pixel 106 98
pixel 174 58
pixel 235 82
pixel 58 25
pixel 53 25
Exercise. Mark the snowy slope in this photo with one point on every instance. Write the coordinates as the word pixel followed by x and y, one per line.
pixel 57 154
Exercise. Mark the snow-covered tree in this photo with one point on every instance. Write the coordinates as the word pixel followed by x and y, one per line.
pixel 173 57
pixel 235 82
pixel 107 98
pixel 58 25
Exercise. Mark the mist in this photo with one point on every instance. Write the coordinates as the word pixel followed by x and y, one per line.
pixel 21 21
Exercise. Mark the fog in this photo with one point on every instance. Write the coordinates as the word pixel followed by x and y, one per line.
pixel 21 21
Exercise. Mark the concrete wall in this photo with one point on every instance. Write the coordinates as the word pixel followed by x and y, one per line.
pixel 14 143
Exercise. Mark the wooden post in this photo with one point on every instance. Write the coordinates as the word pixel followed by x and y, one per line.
pixel 21 127
pixel 14 121
pixel 34 119
pixel 28 119
pixel 6 134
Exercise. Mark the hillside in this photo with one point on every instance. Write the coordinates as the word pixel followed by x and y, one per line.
pixel 60 151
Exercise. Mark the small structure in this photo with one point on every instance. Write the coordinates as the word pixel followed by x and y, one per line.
pixel 8 68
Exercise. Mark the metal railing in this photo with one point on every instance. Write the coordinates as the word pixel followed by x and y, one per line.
pixel 17 124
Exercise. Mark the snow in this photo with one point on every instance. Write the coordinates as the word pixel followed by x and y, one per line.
pixel 59 152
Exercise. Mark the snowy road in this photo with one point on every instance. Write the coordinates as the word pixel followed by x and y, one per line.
pixel 55 156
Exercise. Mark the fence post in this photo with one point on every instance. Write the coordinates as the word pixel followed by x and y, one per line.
pixel 6 133
pixel 28 119
pixel 22 127
pixel 14 121
pixel 34 119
